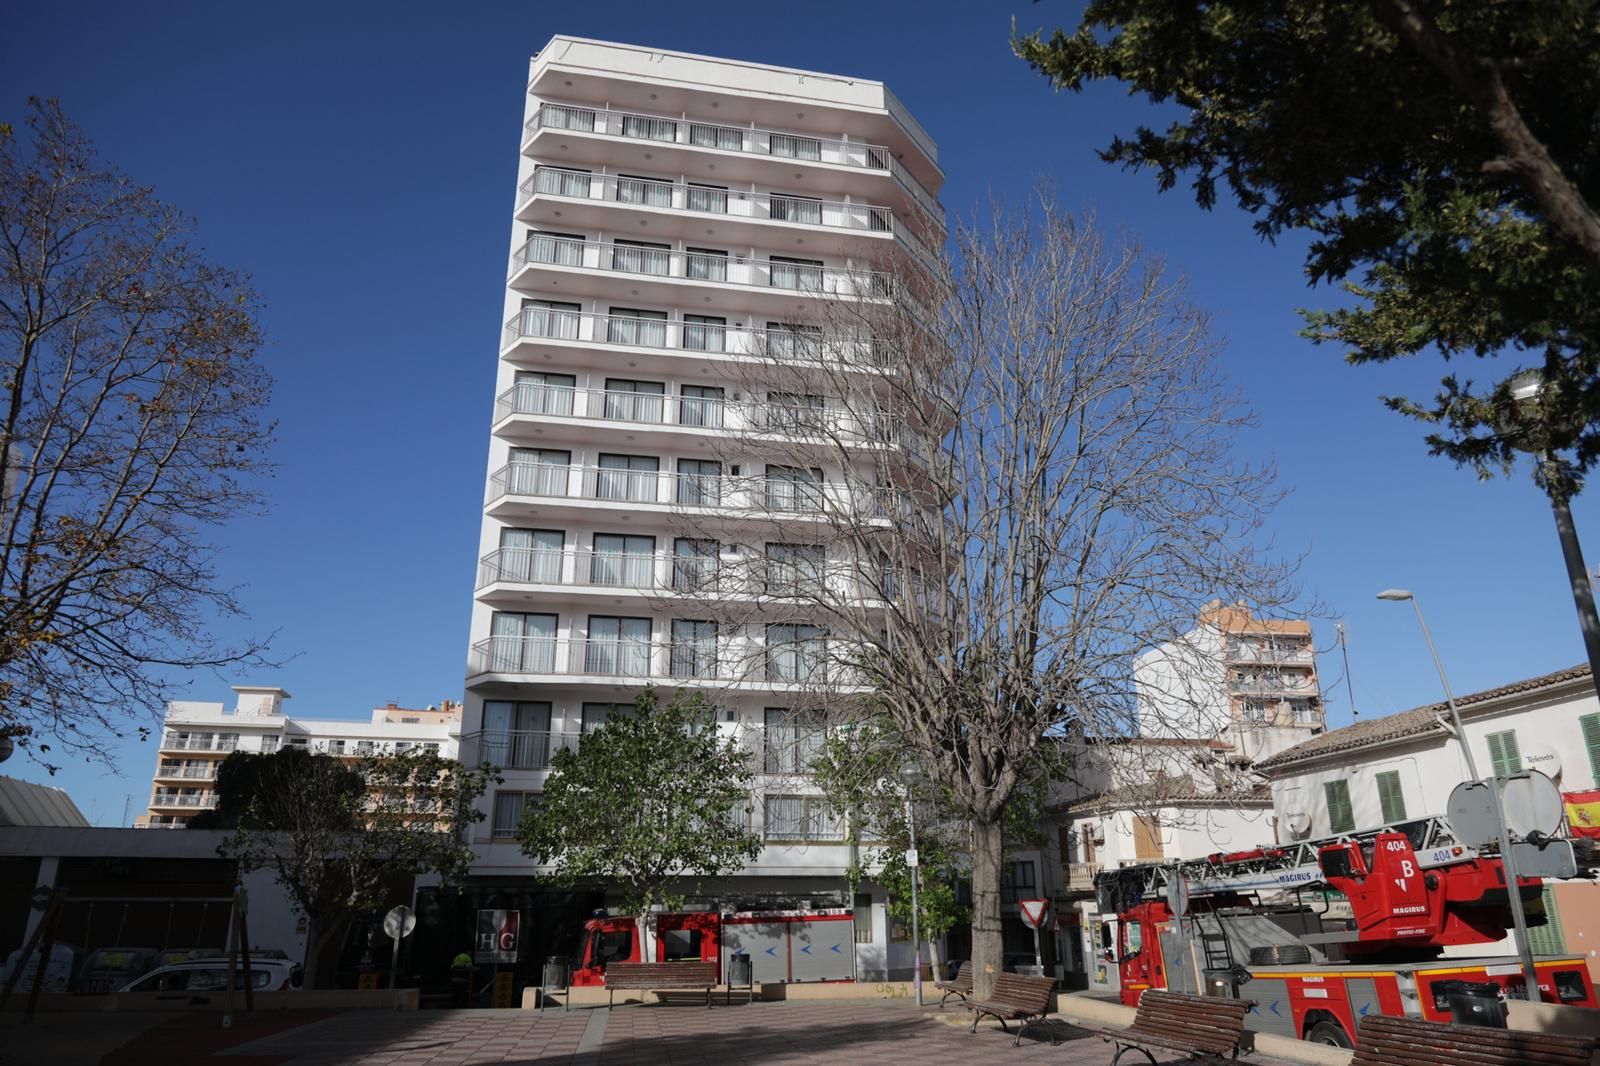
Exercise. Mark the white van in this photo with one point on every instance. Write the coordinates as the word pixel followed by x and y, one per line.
pixel 211 975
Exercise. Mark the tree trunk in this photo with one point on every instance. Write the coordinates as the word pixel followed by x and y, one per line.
pixel 934 960
pixel 987 946
pixel 318 936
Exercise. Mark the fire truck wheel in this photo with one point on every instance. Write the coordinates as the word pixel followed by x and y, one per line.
pixel 1330 1033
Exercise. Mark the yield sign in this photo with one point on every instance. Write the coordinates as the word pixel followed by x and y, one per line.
pixel 1034 911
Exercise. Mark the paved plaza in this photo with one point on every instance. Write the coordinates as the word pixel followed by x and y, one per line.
pixel 826 1033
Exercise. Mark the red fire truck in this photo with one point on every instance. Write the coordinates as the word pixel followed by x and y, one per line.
pixel 783 945
pixel 1261 925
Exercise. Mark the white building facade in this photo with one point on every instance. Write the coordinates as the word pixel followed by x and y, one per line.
pixel 676 217
pixel 196 737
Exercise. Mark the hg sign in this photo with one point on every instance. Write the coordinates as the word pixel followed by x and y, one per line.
pixel 497 936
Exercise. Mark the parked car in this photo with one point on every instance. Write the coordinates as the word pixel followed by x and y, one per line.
pixel 211 975
pixel 109 968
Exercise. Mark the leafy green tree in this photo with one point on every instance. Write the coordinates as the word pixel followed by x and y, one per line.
pixel 1443 158
pixel 131 429
pixel 338 833
pixel 649 799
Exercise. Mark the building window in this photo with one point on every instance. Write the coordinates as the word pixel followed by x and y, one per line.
pixel 796 209
pixel 1016 882
pixel 623 560
pixel 596 715
pixel 508 810
pixel 629 325
pixel 699 482
pixel 1391 798
pixel 793 740
pixel 627 477
pixel 863 916
pixel 1590 724
pixel 794 569
pixel 791 273
pixel 694 564
pixel 800 819
pixel 694 648
pixel 551 318
pixel 537 472
pixel 1257 710
pixel 1504 754
pixel 641 257
pixel 336 747
pixel 538 393
pixel 618 646
pixel 705 333
pixel 699 405
pixel 705 264
pixel 795 652
pixel 1341 815
pixel 793 488
pixel 269 743
pixel 631 400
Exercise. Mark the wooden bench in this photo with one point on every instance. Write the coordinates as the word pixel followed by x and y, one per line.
pixel 960 985
pixel 1385 1040
pixel 659 977
pixel 1198 1027
pixel 1016 997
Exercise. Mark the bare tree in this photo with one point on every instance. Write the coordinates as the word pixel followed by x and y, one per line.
pixel 968 496
pixel 132 424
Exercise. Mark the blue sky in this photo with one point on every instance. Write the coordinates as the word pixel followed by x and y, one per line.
pixel 359 159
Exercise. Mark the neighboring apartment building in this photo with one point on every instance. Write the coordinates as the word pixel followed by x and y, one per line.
pixel 1381 771
pixel 676 218
pixel 1250 681
pixel 196 737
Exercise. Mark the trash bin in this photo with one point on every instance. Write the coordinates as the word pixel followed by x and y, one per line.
pixel 739 971
pixel 1471 1002
pixel 1030 970
pixel 555 974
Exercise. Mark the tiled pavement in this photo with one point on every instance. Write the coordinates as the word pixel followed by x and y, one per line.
pixel 824 1033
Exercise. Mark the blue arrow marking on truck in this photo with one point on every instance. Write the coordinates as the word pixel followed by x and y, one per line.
pixel 773 952
pixel 1274 1008
pixel 1364 1008
pixel 1254 1009
pixel 836 947
pixel 806 950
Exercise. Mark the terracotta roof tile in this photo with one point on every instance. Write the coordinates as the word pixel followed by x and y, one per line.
pixel 1417 722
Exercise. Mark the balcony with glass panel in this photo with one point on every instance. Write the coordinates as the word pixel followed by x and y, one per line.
pixel 622 139
pixel 662 345
pixel 558 198
pixel 669 275
pixel 621 659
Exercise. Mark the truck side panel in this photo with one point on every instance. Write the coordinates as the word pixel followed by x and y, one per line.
pixel 822 948
pixel 766 942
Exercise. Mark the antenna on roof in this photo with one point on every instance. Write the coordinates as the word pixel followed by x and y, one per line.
pixel 1344 649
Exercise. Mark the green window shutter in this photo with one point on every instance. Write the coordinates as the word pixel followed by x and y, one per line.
pixel 1341 816
pixel 1591 741
pixel 1391 798
pixel 1504 753
pixel 1548 939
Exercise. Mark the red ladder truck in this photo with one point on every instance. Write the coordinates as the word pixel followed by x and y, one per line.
pixel 1262 918
pixel 783 945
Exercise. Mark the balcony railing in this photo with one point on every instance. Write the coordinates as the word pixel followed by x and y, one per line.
pixel 161 825
pixel 798 662
pixel 682 196
pixel 171 743
pixel 1249 653
pixel 200 773
pixel 516 749
pixel 837 151
pixel 1271 688
pixel 543 250
pixel 1079 876
pixel 829 421
pixel 724 492
pixel 164 799
pixel 786 345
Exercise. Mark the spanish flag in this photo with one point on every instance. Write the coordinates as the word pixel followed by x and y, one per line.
pixel 1583 812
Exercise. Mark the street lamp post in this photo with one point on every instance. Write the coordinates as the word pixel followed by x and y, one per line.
pixel 1519 921
pixel 914 861
pixel 1524 426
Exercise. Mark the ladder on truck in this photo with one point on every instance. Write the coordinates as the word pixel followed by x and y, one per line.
pixel 1285 867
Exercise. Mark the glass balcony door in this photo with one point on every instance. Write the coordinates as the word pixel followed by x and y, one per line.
pixel 618 646
pixel 530 555
pixel 623 561
pixel 522 643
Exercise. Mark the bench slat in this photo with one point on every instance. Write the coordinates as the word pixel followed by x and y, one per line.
pixel 1388 1041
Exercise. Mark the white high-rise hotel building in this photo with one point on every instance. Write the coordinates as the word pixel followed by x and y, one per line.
pixel 674 216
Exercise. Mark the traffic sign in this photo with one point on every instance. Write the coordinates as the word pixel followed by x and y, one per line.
pixel 1034 911
pixel 399 922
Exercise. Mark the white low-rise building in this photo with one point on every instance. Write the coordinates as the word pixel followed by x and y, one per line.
pixel 1381 771
pixel 196 737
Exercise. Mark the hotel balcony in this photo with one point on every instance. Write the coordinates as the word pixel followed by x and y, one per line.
pixel 531 411
pixel 736 153
pixel 1248 654
pixel 188 773
pixel 1078 877
pixel 676 209
pixel 567 268
pixel 518 488
pixel 538 330
pixel 175 743
pixel 507 574
pixel 165 799
pixel 796 665
pixel 1274 688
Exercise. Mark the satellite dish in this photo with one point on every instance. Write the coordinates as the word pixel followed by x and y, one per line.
pixel 1532 804
pixel 1470 811
pixel 1543 758
pixel 1299 822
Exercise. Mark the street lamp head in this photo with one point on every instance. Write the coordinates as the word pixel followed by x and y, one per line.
pixel 1520 419
pixel 1395 594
